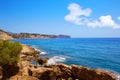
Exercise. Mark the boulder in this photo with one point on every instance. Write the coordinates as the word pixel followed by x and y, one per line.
pixel 62 71
pixel 43 73
pixel 41 61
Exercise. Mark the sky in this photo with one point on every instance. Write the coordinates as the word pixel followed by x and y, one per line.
pixel 77 18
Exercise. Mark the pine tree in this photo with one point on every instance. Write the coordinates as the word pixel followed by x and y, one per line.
pixel 9 57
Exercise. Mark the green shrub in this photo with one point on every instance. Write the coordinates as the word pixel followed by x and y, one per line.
pixel 9 52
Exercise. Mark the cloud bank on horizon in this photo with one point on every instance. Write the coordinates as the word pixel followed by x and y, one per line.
pixel 80 16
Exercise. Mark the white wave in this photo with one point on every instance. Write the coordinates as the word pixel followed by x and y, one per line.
pixel 56 59
pixel 117 75
pixel 42 53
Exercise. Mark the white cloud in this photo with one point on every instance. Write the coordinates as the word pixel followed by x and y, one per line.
pixel 75 12
pixel 104 21
pixel 93 23
pixel 80 16
pixel 108 21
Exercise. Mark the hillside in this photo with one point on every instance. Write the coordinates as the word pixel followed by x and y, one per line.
pixel 4 35
pixel 10 35
pixel 35 35
pixel 30 35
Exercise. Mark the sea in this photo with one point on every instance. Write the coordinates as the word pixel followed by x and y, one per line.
pixel 97 53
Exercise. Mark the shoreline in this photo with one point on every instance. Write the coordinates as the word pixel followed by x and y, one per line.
pixel 106 70
pixel 87 68
pixel 41 70
pixel 44 53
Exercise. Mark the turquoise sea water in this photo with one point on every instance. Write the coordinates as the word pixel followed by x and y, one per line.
pixel 92 52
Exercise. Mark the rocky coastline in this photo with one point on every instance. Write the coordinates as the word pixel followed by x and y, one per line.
pixel 35 36
pixel 10 35
pixel 41 71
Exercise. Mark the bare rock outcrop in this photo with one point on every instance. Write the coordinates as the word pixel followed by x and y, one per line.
pixel 65 72
pixel 85 73
pixel 31 54
pixel 43 73
pixel 28 53
pixel 42 61
pixel 29 50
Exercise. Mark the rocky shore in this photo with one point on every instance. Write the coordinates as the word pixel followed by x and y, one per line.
pixel 41 71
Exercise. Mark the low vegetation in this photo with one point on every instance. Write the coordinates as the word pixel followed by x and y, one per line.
pixel 9 57
pixel 9 52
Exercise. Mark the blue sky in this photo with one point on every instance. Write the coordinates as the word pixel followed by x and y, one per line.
pixel 78 18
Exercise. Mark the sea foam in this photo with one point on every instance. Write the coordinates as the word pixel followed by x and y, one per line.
pixel 43 53
pixel 117 76
pixel 56 59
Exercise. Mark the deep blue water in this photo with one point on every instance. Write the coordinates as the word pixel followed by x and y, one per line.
pixel 92 52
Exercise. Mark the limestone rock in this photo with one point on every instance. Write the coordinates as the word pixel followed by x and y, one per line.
pixel 43 73
pixel 23 68
pixel 29 50
pixel 65 72
pixel 84 73
pixel 42 61
pixel 62 71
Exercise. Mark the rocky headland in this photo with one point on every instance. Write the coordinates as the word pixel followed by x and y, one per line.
pixel 10 35
pixel 42 71
pixel 35 35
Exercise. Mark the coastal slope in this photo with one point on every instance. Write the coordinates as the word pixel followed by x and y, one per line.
pixel 4 35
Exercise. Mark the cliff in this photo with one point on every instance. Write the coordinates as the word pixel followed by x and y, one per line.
pixel 4 35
